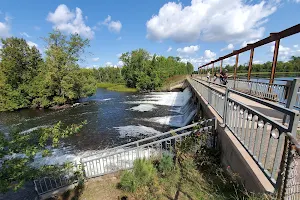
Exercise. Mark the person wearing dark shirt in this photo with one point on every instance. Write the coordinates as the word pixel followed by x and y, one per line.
pixel 223 76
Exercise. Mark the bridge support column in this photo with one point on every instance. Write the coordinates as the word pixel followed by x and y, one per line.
pixel 250 64
pixel 274 64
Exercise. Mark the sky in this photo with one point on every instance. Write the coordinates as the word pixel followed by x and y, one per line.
pixel 197 31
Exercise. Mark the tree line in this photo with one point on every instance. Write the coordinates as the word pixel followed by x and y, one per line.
pixel 293 65
pixel 28 79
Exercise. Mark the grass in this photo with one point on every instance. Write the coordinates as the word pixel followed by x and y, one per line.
pixel 169 81
pixel 118 87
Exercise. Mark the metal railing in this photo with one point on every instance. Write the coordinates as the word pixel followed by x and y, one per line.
pixel 122 159
pixel 62 179
pixel 264 139
pixel 273 92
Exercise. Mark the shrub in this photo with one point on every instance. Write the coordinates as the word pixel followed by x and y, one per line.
pixel 166 164
pixel 143 171
pixel 128 182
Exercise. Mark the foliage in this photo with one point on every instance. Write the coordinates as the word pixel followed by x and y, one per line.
pixel 18 150
pixel 116 87
pixel 293 65
pixel 166 164
pixel 143 174
pixel 28 80
pixel 146 72
pixel 128 182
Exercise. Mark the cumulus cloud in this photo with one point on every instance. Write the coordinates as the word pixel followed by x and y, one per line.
pixel 256 62
pixel 188 50
pixel 70 21
pixel 25 34
pixel 210 20
pixel 248 42
pixel 169 49
pixel 108 64
pixel 296 45
pixel 210 55
pixel 229 47
pixel 5 28
pixel 284 53
pixel 120 64
pixel 31 44
pixel 113 26
pixel 95 59
pixel 198 61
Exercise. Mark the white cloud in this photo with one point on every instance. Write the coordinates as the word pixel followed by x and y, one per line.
pixel 119 55
pixel 296 45
pixel 25 34
pixel 113 26
pixel 69 21
pixel 108 64
pixel 95 59
pixel 229 47
pixel 188 50
pixel 256 62
pixel 210 20
pixel 297 1
pixel 248 42
pixel 209 55
pixel 284 53
pixel 120 64
pixel 169 49
pixel 31 44
pixel 5 28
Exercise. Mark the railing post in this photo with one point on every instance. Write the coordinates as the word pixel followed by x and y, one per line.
pixel 250 64
pixel 235 68
pixel 274 63
pixel 292 97
pixel 221 66
pixel 225 107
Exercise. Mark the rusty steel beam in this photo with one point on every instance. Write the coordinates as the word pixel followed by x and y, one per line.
pixel 221 65
pixel 236 65
pixel 273 37
pixel 274 64
pixel 212 69
pixel 250 63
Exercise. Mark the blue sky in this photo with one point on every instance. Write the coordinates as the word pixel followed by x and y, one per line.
pixel 197 31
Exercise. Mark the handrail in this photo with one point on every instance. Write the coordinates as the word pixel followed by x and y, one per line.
pixel 273 37
pixel 150 138
pixel 264 102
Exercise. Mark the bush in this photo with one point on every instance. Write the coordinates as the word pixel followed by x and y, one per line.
pixel 166 164
pixel 128 182
pixel 143 174
pixel 143 171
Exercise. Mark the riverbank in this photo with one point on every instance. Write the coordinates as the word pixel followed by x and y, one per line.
pixel 118 87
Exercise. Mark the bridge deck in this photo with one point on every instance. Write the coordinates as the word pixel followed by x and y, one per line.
pixel 273 114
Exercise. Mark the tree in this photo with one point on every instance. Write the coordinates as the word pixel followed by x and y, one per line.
pixel 18 150
pixel 19 65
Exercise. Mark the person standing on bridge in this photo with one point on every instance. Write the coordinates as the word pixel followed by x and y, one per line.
pixel 208 76
pixel 223 77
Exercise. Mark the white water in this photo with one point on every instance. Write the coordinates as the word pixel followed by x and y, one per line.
pixel 143 108
pixel 136 131
pixel 166 98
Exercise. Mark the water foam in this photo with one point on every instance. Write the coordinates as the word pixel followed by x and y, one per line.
pixel 143 108
pixel 165 98
pixel 136 131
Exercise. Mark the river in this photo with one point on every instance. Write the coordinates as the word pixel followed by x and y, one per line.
pixel 113 118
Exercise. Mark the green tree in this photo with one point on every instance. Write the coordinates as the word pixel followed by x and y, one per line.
pixel 18 150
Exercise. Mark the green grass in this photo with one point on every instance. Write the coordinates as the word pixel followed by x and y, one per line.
pixel 118 87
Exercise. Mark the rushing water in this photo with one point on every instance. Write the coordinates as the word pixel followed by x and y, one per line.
pixel 113 118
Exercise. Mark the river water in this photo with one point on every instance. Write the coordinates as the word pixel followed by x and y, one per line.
pixel 113 118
